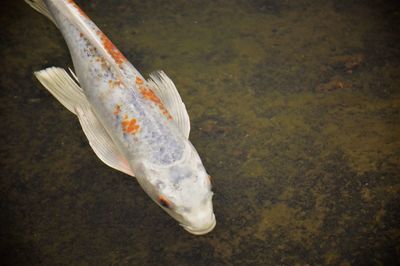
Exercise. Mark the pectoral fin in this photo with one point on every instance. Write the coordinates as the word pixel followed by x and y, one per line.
pixel 57 81
pixel 101 142
pixel 63 87
pixel 165 89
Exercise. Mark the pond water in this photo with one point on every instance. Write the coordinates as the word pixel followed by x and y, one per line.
pixel 294 108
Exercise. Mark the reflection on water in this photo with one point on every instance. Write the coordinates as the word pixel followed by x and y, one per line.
pixel 295 112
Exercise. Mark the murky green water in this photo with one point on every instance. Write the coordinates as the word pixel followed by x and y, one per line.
pixel 294 108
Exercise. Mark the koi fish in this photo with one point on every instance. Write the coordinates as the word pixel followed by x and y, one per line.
pixel 137 126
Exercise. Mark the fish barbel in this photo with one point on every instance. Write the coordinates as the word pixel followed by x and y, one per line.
pixel 137 126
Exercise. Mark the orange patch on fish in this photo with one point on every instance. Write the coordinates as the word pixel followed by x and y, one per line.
pixel 114 83
pixel 118 57
pixel 83 14
pixel 151 96
pixel 129 126
pixel 139 81
pixel 117 109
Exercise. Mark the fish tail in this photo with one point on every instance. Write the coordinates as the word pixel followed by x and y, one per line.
pixel 40 6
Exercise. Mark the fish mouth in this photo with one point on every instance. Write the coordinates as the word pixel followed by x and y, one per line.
pixel 201 231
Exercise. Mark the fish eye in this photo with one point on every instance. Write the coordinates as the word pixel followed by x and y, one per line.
pixel 164 201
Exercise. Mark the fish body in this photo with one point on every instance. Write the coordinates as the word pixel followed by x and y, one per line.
pixel 137 126
pixel 115 89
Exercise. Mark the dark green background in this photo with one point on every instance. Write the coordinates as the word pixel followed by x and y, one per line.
pixel 294 108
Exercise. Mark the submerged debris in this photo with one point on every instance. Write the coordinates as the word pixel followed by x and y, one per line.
pixel 335 83
pixel 347 62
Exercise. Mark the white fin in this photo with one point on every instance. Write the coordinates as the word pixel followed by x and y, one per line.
pixel 62 86
pixel 41 7
pixel 74 75
pixel 165 89
pixel 101 142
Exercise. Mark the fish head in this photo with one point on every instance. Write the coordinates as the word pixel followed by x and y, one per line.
pixel 183 190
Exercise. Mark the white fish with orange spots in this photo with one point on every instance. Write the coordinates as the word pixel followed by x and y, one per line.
pixel 137 126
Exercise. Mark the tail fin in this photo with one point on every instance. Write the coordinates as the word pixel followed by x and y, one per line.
pixel 41 7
